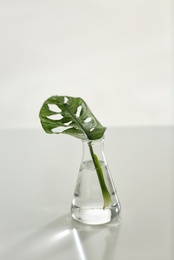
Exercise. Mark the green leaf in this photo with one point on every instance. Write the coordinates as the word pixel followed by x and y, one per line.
pixel 70 115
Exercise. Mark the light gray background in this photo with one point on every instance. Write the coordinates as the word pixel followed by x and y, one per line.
pixel 117 55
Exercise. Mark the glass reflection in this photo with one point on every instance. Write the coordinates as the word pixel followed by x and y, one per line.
pixel 78 244
pixel 52 241
pixel 96 242
pixel 62 234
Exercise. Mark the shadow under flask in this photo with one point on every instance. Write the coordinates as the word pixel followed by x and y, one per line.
pixel 95 198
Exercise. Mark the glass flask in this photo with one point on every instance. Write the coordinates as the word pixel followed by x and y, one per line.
pixel 95 198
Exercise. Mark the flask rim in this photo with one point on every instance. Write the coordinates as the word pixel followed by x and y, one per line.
pixel 100 140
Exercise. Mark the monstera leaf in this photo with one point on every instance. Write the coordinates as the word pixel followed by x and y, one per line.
pixel 70 115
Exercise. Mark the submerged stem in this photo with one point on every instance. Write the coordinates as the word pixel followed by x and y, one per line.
pixel 105 192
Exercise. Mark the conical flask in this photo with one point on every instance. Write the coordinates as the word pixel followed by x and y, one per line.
pixel 95 198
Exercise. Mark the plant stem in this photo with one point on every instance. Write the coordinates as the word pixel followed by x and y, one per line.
pixel 105 192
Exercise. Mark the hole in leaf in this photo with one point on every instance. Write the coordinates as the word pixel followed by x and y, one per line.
pixel 54 108
pixel 55 117
pixel 68 123
pixel 78 111
pixel 60 129
pixel 65 100
pixel 87 120
pixel 92 129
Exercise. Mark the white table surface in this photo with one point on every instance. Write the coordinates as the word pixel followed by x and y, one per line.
pixel 37 179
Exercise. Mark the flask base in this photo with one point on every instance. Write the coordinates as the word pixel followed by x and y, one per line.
pixel 95 216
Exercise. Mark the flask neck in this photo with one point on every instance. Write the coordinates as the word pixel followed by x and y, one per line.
pixel 93 146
